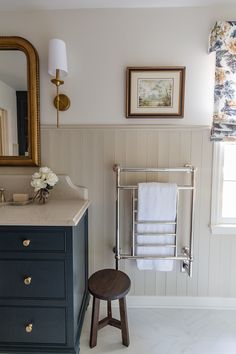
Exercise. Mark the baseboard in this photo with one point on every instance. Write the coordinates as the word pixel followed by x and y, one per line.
pixel 182 302
pixel 178 302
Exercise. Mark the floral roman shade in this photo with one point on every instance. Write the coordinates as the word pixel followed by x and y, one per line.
pixel 223 42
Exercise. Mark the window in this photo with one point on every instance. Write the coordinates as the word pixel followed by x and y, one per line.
pixel 223 208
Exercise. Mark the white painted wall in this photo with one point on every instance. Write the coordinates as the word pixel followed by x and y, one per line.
pixel 8 102
pixel 103 42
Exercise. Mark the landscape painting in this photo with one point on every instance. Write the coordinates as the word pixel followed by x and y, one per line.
pixel 155 92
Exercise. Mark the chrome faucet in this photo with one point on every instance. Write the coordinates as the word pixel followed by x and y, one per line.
pixel 2 195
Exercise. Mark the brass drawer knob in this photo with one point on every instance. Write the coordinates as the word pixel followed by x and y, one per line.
pixel 27 280
pixel 26 243
pixel 29 328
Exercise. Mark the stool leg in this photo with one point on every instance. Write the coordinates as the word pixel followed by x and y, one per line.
pixel 109 311
pixel 94 322
pixel 124 322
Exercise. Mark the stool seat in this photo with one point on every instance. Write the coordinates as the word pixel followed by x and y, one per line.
pixel 109 284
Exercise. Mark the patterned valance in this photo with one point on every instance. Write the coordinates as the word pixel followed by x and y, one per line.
pixel 223 42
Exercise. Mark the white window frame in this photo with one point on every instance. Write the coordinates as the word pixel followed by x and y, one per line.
pixel 219 225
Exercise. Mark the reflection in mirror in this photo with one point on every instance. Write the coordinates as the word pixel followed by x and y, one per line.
pixel 13 104
pixel 19 103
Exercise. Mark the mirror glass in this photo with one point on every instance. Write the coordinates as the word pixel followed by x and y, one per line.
pixel 19 103
pixel 13 103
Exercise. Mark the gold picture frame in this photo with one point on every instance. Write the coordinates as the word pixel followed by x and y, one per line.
pixel 155 92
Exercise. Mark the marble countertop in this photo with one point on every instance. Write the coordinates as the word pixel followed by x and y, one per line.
pixel 65 206
pixel 53 213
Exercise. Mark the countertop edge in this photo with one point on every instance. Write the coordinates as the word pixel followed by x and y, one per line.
pixel 79 215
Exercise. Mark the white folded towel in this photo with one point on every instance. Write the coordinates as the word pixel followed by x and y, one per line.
pixel 156 202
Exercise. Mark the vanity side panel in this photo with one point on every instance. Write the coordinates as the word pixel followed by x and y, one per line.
pixel 80 274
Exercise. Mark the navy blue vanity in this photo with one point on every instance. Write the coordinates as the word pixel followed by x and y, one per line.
pixel 43 280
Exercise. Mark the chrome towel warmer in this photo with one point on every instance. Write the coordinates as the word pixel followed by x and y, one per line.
pixel 186 255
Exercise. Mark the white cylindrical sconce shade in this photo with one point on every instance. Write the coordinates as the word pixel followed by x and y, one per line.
pixel 57 58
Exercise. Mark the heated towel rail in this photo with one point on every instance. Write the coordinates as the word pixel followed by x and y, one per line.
pixel 186 254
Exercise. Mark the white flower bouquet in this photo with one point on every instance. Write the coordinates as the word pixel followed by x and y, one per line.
pixel 43 181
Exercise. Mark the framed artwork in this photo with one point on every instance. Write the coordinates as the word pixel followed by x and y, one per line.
pixel 155 92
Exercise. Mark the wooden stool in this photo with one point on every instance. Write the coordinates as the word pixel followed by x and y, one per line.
pixel 108 285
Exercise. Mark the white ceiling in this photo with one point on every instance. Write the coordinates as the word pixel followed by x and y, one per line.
pixel 23 5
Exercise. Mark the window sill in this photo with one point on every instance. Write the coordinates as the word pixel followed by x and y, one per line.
pixel 223 229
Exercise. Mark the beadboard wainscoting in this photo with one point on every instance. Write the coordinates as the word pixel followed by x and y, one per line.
pixel 87 154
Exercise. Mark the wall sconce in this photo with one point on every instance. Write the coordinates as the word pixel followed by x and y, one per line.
pixel 57 67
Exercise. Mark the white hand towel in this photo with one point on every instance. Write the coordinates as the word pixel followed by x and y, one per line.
pixel 156 202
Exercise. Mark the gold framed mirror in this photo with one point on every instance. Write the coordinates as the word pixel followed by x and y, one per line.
pixel 19 103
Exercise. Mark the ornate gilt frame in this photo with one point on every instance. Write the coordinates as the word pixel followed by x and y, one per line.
pixel 19 43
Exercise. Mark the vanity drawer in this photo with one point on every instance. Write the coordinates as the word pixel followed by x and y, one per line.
pixel 27 240
pixel 32 325
pixel 32 279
